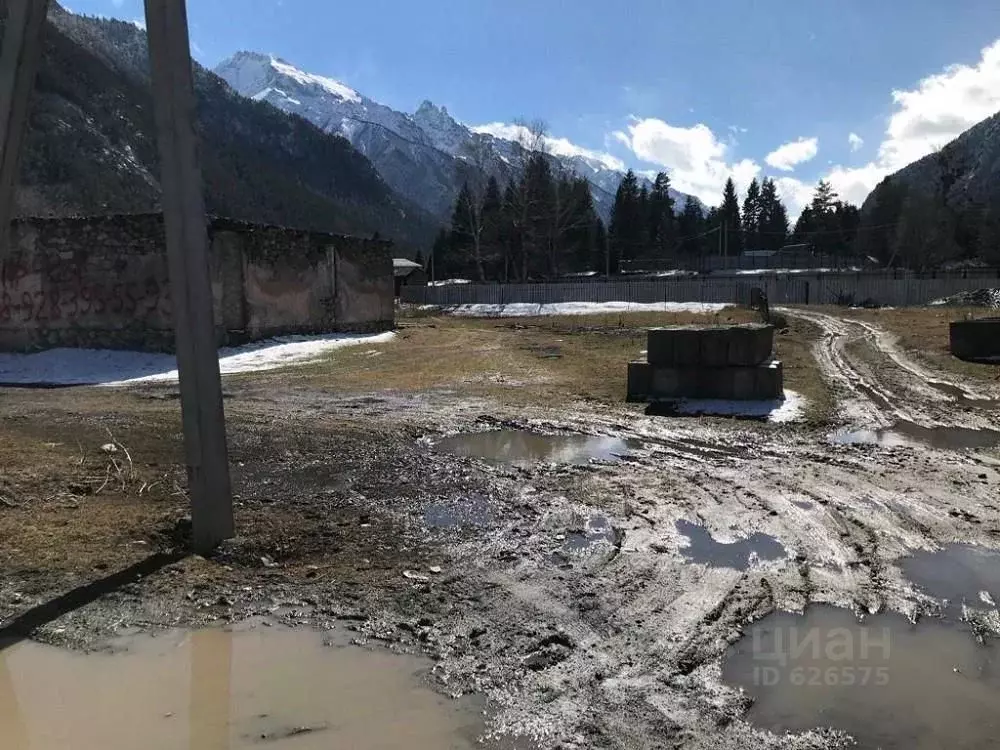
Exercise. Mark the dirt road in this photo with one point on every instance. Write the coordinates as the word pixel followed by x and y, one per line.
pixel 573 596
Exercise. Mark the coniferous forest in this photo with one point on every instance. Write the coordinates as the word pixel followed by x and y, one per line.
pixel 545 226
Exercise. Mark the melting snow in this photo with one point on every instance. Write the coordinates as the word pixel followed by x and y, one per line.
pixel 527 309
pixel 109 367
pixel 309 79
pixel 788 409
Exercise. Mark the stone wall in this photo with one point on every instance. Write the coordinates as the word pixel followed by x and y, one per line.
pixel 102 282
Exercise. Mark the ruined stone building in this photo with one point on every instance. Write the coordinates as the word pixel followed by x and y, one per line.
pixel 102 282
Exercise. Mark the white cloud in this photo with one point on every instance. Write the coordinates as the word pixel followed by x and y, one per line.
pixel 694 156
pixel 555 146
pixel 934 112
pixel 118 3
pixel 795 194
pixel 855 141
pixel 139 24
pixel 786 156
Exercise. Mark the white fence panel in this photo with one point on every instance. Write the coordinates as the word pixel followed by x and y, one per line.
pixel 892 289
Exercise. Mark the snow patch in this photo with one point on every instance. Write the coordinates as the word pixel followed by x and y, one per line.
pixel 111 368
pixel 527 309
pixel 309 79
pixel 788 409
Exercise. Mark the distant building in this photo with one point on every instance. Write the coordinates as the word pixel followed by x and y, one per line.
pixel 407 273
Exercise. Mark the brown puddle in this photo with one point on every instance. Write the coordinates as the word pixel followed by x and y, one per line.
pixel 890 684
pixel 908 434
pixel 740 555
pixel 218 690
pixel 524 446
pixel 963 398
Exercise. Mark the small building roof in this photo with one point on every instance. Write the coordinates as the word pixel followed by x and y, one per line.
pixel 404 266
pixel 405 263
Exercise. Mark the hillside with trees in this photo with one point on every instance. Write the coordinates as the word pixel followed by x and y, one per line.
pixel 91 146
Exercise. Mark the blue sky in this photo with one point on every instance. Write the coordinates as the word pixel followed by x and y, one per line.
pixel 703 90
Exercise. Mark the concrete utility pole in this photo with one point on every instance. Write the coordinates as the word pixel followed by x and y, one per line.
pixel 190 280
pixel 22 51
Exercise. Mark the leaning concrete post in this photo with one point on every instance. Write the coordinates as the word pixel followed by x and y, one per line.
pixel 190 281
pixel 22 50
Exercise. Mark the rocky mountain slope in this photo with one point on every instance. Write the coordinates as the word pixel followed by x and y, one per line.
pixel 424 156
pixel 964 172
pixel 91 145
pixel 941 209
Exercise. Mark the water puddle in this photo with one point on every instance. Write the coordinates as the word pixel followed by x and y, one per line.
pixel 739 554
pixel 909 434
pixel 216 690
pixel 963 398
pixel 804 504
pixel 598 533
pixel 957 573
pixel 890 684
pixel 523 446
pixel 468 512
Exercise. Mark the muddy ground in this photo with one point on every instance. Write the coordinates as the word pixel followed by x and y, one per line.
pixel 507 575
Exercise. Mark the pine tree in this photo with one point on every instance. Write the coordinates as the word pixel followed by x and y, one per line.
pixel 601 258
pixel 729 217
pixel 466 234
pixel 625 231
pixel 689 226
pixel 439 255
pixel 752 217
pixel 511 222
pixel 419 258
pixel 816 224
pixel 925 237
pixel 773 217
pixel 576 223
pixel 711 239
pixel 877 233
pixel 823 199
pixel 988 236
pixel 643 229
pixel 847 220
pixel 538 191
pixel 490 249
pixel 660 224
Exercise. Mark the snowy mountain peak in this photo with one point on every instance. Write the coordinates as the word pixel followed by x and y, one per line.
pixel 253 73
pixel 428 108
pixel 425 156
pixel 443 130
pixel 309 79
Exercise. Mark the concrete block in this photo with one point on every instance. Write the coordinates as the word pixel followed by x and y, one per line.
pixel 656 382
pixel 687 346
pixel 639 374
pixel 742 383
pixel 674 382
pixel 976 340
pixel 750 345
pixel 770 381
pixel 660 343
pixel 710 346
pixel 714 346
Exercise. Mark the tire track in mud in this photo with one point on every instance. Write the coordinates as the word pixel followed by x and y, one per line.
pixel 882 386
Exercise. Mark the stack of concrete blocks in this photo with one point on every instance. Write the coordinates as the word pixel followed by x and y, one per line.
pixel 707 362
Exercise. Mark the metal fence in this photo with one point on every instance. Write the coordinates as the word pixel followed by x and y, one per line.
pixel 886 289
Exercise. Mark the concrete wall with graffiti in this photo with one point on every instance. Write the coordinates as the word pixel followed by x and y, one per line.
pixel 103 282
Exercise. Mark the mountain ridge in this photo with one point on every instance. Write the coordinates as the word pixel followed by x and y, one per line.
pixel 441 149
pixel 90 146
